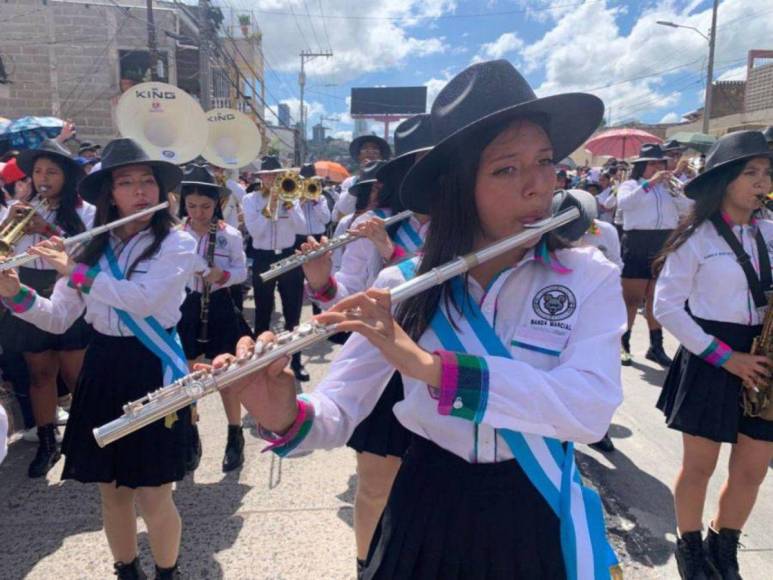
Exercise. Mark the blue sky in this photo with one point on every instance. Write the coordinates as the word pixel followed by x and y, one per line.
pixel 613 48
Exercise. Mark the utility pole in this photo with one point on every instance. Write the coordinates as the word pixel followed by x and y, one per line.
pixel 306 55
pixel 710 70
pixel 205 34
pixel 152 44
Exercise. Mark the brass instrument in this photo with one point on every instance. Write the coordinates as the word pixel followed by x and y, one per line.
pixel 14 230
pixel 758 402
pixel 287 187
pixel 204 313
pixel 312 189
pixel 190 388
pixel 674 186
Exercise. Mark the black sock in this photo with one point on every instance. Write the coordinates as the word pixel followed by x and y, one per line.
pixel 626 340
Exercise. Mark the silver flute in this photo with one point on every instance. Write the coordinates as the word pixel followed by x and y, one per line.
pixel 292 262
pixel 190 388
pixel 84 237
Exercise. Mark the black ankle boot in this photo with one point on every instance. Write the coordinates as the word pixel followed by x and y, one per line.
pixel 234 449
pixel 722 552
pixel 656 353
pixel 130 571
pixel 298 369
pixel 625 352
pixel 48 452
pixel 193 452
pixel 691 558
pixel 172 573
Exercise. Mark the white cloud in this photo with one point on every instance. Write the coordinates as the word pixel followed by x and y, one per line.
pixel 434 86
pixel 359 45
pixel 672 117
pixel 507 43
pixel 631 72
pixel 734 74
pixel 345 135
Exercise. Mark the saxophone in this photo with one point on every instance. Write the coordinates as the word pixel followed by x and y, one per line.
pixel 757 402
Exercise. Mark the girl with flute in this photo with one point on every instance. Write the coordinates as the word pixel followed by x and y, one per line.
pixel 503 368
pixel 131 283
pixel 718 263
pixel 200 210
pixel 55 176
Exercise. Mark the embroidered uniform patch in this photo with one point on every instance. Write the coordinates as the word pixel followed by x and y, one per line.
pixel 556 302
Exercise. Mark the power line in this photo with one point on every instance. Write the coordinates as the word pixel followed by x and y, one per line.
pixel 300 30
pixel 311 23
pixel 324 26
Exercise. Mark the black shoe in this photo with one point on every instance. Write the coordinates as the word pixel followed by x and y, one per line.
pixel 625 349
pixel 657 355
pixel 234 449
pixel 194 450
pixel 130 571
pixel 301 374
pixel 48 452
pixel 172 573
pixel 604 444
pixel 722 552
pixel 691 558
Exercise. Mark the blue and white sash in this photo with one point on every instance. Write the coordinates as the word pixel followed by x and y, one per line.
pixel 548 464
pixel 165 345
pixel 405 236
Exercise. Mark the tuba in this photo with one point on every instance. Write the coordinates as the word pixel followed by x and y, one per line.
pixel 14 229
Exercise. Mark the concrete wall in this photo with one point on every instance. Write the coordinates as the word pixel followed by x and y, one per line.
pixel 723 125
pixel 759 88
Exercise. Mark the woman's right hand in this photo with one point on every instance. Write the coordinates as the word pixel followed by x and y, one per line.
pixel 9 283
pixel 317 271
pixel 269 394
pixel 752 369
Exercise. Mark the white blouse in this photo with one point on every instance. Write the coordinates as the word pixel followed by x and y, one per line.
pixel 604 237
pixel 563 381
pixel 650 207
pixel 229 256
pixel 705 273
pixel 156 288
pixel 268 234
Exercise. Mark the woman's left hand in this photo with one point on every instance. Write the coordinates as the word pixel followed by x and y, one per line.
pixel 52 251
pixel 369 313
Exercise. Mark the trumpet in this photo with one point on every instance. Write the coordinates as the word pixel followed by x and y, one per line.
pixel 84 237
pixel 675 187
pixel 190 388
pixel 292 262
pixel 287 186
pixel 312 189
pixel 13 231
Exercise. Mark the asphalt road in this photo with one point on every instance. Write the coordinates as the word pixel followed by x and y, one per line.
pixel 291 519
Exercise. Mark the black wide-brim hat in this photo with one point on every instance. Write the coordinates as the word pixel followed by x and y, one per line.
pixel 368 177
pixel 200 177
pixel 122 153
pixel 488 94
pixel 358 142
pixel 768 134
pixel 412 137
pixel 651 152
pixel 733 147
pixel 48 148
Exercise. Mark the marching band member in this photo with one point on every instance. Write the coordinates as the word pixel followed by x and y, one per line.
pixel 16 185
pixel 315 212
pixel 379 439
pixel 273 238
pixel 702 265
pixel 199 206
pixel 651 213
pixel 364 150
pixel 55 176
pixel 673 151
pixel 499 365
pixel 130 282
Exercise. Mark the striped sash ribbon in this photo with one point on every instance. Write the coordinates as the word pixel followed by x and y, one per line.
pixel 405 236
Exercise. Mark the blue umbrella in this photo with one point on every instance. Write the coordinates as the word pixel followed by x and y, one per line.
pixel 29 132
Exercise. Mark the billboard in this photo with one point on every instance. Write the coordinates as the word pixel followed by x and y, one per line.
pixel 388 101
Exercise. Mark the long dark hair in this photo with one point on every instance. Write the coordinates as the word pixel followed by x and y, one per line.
pixel 160 225
pixel 708 202
pixel 454 227
pixel 638 170
pixel 187 190
pixel 67 216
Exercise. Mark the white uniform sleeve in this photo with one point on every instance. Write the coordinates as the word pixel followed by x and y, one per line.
pixel 683 204
pixel 237 260
pixel 322 211
pixel 3 434
pixel 673 288
pixel 236 189
pixel 631 195
pixel 58 313
pixel 612 242
pixel 167 273
pixel 575 400
pixel 252 217
pixel 360 266
pixel 345 204
pixel 297 219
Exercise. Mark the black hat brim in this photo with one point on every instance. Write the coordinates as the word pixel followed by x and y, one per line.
pixel 356 145
pixel 91 186
pixel 26 161
pixel 571 119
pixel 357 188
pixel 648 159
pixel 221 190
pixel 694 186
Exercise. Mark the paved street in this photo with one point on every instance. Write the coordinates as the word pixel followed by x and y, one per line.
pixel 291 519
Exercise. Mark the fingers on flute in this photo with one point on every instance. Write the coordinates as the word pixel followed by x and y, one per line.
pixel 243 345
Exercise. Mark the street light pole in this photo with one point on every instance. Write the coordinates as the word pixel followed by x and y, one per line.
pixel 710 70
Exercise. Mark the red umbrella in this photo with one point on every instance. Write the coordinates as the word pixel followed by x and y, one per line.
pixel 620 143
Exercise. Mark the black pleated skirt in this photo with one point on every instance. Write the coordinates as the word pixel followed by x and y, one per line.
pixel 701 399
pixel 18 335
pixel 447 519
pixel 380 432
pixel 117 370
pixel 639 248
pixel 226 325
